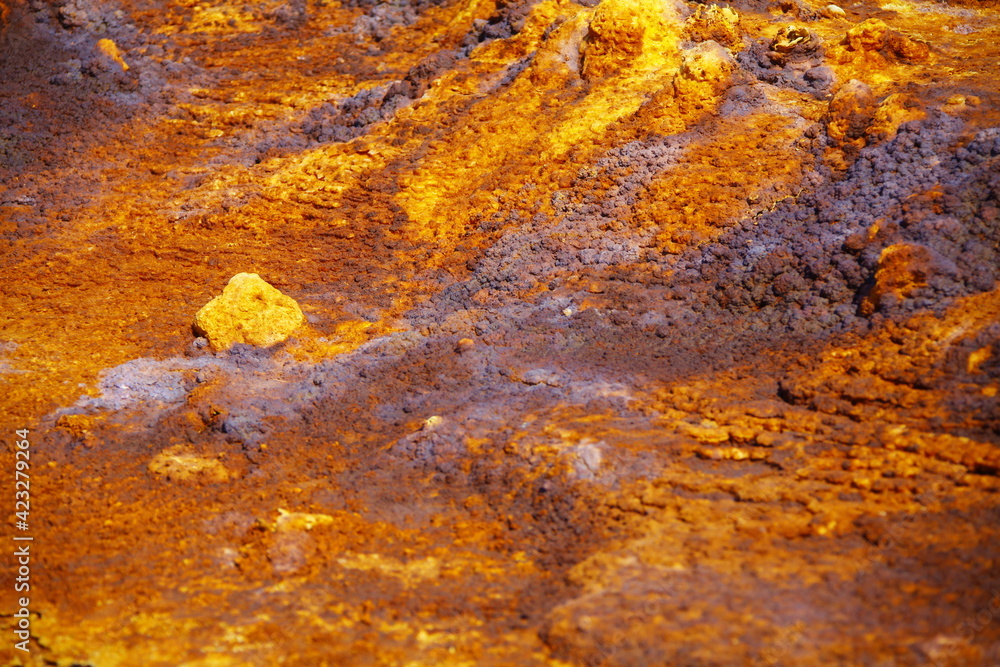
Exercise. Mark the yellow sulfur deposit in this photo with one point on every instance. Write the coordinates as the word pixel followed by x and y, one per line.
pixel 248 311
pixel 622 31
pixel 111 50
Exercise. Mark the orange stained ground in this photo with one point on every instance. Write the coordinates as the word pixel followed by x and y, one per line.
pixel 702 522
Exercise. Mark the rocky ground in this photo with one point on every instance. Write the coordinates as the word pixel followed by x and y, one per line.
pixel 638 332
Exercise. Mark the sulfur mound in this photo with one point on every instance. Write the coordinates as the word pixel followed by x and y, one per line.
pixel 713 23
pixel 623 30
pixel 794 57
pixel 851 112
pixel 872 38
pixel 892 112
pixel 248 311
pixel 902 267
pixel 705 71
pixel 708 61
pixel 795 45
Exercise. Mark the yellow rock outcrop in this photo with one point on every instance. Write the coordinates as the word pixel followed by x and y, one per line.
pixel 718 24
pixel 248 311
pixel 705 71
pixel 623 31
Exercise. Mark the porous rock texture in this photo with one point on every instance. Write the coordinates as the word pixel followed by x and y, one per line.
pixel 248 311
pixel 639 332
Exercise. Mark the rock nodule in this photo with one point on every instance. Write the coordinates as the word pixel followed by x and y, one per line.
pixel 248 311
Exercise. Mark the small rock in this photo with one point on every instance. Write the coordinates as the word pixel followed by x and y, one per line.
pixel 432 423
pixel 705 72
pixel 742 434
pixel 851 112
pixel 794 44
pixel 589 459
pixel 723 453
pixel 708 61
pixel 873 36
pixel 248 311
pixel 822 77
pixel 537 376
pixel 718 24
pixel 293 547
pixel 869 35
pixel 905 48
pixel 296 521
pixel 77 425
pixel 179 465
pixel 902 267
pixel 621 31
pixel 111 50
pixel 709 435
pixel 978 358
pixel 198 346
pixel 894 110
pixel 834 12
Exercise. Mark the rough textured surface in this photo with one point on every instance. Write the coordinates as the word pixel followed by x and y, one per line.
pixel 638 333
pixel 248 311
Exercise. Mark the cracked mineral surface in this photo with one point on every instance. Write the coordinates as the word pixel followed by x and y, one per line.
pixel 611 332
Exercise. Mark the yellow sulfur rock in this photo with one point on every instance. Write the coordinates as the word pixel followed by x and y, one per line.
pixel 292 521
pixel 621 31
pixel 718 24
pixel 111 50
pixel 894 110
pixel 179 465
pixel 704 434
pixel 704 72
pixel 901 268
pixel 707 61
pixel 869 35
pixel 874 41
pixel 248 311
pixel 851 112
pixel 978 358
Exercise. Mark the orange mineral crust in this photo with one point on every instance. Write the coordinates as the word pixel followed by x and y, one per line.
pixel 500 332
